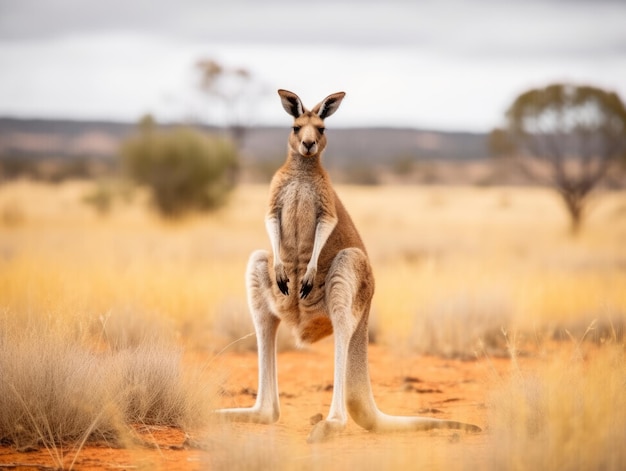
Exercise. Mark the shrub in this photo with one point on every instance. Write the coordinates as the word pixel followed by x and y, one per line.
pixel 183 168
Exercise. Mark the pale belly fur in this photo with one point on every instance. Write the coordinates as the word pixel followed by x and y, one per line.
pixel 307 317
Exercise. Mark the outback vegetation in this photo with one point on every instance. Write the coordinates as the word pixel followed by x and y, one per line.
pixel 567 136
pixel 114 330
pixel 183 168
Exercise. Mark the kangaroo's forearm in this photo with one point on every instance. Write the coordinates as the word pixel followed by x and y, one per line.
pixel 272 225
pixel 323 230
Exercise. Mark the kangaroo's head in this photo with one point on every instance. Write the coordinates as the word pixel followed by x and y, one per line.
pixel 307 136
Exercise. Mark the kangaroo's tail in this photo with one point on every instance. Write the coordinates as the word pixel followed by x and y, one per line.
pixel 360 400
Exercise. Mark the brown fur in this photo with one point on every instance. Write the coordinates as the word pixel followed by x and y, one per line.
pixel 300 196
pixel 318 280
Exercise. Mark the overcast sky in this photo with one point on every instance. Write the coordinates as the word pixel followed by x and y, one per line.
pixel 440 64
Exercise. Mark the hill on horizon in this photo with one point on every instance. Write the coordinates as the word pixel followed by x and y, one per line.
pixel 41 138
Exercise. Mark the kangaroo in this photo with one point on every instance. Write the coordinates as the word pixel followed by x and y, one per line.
pixel 318 280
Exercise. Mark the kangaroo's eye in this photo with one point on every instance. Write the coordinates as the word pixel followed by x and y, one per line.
pixel 296 129
pixel 321 130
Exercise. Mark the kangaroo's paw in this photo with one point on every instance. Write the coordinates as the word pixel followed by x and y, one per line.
pixel 307 282
pixel 281 279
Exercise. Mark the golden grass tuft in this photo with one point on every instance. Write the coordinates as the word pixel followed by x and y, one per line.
pixel 68 381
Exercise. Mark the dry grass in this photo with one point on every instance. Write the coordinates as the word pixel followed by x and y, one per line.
pixel 475 253
pixel 67 381
pixel 462 325
pixel 443 257
pixel 568 414
pixel 118 297
pixel 485 259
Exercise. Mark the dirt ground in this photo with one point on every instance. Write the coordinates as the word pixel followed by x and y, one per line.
pixel 403 383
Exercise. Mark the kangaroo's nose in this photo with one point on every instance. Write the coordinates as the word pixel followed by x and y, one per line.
pixel 308 144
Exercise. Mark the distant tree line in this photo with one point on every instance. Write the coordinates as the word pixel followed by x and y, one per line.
pixel 54 169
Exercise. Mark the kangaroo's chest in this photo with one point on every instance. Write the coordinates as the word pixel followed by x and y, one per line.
pixel 298 219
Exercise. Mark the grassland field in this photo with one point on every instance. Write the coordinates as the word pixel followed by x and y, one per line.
pixel 462 273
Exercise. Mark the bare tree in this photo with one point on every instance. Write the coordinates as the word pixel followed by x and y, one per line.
pixel 567 136
pixel 234 91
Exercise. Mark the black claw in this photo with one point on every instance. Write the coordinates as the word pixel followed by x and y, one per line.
pixel 305 290
pixel 282 286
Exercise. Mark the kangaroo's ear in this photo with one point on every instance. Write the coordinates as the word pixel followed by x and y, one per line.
pixel 291 103
pixel 328 105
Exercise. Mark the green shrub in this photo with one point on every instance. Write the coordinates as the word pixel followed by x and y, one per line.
pixel 183 168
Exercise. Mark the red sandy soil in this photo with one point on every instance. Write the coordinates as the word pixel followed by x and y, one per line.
pixel 403 383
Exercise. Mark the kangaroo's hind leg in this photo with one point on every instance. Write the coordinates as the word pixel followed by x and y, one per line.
pixel 266 408
pixel 349 289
